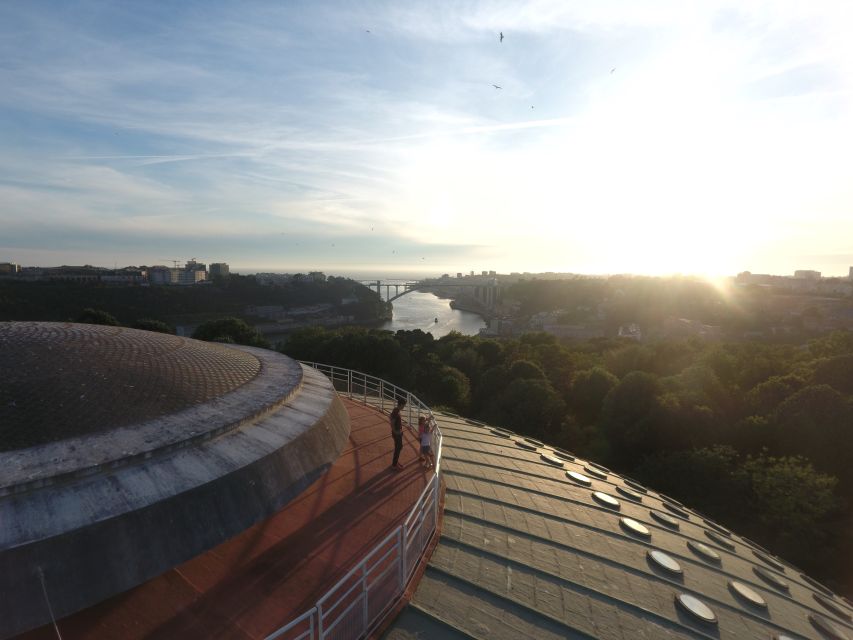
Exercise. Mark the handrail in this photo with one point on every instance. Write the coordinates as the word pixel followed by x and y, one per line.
pixel 379 578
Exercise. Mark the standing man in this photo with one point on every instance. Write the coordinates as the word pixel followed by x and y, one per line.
pixel 397 432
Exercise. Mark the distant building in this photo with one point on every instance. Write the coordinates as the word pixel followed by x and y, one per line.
pixel 631 331
pixel 219 269
pixel 86 273
pixel 10 268
pixel 159 274
pixel 192 265
pixel 484 273
pixel 124 276
pixel 459 274
pixel 193 273
pixel 188 276
pixel 850 275
pixel 807 274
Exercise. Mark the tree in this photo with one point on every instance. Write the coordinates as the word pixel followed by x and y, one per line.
pixel 816 422
pixel 445 385
pixel 147 324
pixel 589 389
pixel 708 479
pixel 489 387
pixel 231 330
pixel 790 499
pixel 491 351
pixel 837 372
pixel 627 415
pixel 763 398
pixel 630 358
pixel 834 344
pixel 525 370
pixel 530 406
pixel 468 361
pixel 780 501
pixel 96 316
pixel 304 344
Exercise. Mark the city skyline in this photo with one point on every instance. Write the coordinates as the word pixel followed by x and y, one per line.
pixel 700 139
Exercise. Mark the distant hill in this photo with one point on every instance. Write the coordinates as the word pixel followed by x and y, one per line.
pixel 63 301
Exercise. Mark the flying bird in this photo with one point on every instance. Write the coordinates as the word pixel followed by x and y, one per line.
pixel 613 69
pixel 532 107
pixel 367 30
pixel 502 36
pixel 497 87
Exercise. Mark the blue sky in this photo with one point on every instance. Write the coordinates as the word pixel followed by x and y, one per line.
pixel 648 137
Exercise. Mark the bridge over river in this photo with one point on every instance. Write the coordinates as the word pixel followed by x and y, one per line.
pixel 483 294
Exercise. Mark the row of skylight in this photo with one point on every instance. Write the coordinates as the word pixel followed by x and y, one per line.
pixel 690 604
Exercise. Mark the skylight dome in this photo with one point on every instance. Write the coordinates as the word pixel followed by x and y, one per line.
pixel 606 499
pixel 664 561
pixel 704 551
pixel 579 478
pixel 747 594
pixel 632 526
pixel 696 608
pixel 664 519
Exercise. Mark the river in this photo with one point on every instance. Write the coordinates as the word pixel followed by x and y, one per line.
pixel 419 310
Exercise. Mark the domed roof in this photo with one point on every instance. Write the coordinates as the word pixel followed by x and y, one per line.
pixel 126 453
pixel 62 380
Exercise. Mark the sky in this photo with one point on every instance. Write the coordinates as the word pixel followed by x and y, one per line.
pixel 650 137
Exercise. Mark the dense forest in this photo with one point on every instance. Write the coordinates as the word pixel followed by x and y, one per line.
pixel 758 436
pixel 63 301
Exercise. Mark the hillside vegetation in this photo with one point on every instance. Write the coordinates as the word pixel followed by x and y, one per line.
pixel 65 301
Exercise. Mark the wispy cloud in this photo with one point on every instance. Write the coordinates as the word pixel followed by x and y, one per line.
pixel 226 121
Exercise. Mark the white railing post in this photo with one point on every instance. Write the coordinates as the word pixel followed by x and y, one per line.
pixel 349 383
pixel 320 635
pixel 435 488
pixel 382 396
pixel 364 388
pixel 402 556
pixel 364 609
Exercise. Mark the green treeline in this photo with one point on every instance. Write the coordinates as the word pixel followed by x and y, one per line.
pixel 758 436
pixel 65 301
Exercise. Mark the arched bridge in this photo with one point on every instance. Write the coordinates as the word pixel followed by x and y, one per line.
pixel 484 292
pixel 387 287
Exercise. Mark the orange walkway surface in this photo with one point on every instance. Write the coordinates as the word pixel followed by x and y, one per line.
pixel 274 571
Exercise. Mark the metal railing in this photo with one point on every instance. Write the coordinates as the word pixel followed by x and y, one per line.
pixel 359 601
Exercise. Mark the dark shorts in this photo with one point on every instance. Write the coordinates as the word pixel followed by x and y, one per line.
pixel 425 448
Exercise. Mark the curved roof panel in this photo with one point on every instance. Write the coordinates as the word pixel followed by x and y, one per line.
pixel 525 551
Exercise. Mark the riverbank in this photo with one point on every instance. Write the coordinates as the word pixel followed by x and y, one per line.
pixel 471 308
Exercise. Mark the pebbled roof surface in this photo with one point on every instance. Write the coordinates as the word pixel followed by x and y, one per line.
pixel 527 552
pixel 62 380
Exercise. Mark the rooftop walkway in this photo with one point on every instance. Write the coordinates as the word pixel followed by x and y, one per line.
pixel 274 571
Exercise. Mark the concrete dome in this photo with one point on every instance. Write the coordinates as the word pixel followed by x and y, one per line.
pixel 129 452
pixel 63 380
